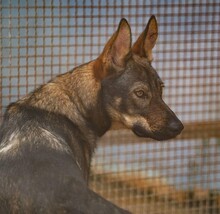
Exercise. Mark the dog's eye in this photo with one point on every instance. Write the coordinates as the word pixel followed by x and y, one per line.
pixel 140 93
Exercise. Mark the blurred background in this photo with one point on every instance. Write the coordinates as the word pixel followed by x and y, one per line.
pixel 41 39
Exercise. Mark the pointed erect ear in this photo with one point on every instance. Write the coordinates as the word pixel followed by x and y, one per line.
pixel 116 51
pixel 121 45
pixel 146 41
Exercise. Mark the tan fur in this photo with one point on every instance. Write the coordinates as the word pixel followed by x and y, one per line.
pixel 121 121
pixel 70 94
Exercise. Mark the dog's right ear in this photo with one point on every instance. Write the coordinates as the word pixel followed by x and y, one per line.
pixel 116 51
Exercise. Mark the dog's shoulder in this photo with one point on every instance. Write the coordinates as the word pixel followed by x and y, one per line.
pixel 30 125
pixel 30 136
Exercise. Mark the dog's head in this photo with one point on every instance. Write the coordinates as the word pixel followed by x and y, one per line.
pixel 131 88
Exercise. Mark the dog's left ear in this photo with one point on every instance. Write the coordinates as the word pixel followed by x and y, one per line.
pixel 116 51
pixel 146 41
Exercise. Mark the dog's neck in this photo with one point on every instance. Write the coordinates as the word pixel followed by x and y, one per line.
pixel 85 96
pixel 77 96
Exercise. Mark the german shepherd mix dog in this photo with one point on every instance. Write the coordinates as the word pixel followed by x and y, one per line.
pixel 48 137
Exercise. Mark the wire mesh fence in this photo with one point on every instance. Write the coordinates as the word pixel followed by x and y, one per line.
pixel 40 39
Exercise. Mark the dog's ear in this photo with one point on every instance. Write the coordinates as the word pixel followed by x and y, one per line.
pixel 146 41
pixel 116 51
pixel 121 44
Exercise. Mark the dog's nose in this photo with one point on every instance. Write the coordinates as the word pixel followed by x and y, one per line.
pixel 176 126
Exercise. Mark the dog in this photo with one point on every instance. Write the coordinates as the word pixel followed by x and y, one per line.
pixel 47 138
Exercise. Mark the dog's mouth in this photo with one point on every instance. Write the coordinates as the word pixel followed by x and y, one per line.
pixel 140 131
pixel 157 135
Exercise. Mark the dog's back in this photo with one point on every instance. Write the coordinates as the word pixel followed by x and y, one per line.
pixel 39 171
pixel 37 168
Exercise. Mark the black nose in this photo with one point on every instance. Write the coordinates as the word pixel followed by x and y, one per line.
pixel 176 126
